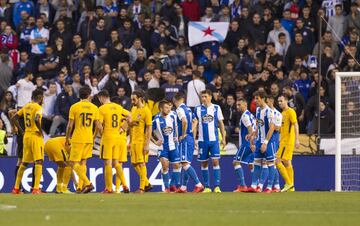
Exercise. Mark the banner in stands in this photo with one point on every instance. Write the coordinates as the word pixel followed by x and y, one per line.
pixel 311 173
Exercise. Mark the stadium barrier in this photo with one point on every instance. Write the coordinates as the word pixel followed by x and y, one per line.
pixel 311 173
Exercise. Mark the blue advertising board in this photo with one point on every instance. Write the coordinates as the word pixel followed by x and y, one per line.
pixel 311 173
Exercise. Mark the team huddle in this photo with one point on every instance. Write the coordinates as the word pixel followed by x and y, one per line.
pixel 266 142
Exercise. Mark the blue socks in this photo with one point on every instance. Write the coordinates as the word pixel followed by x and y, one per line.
pixel 189 171
pixel 240 175
pixel 264 175
pixel 205 175
pixel 176 177
pixel 276 183
pixel 165 177
pixel 217 176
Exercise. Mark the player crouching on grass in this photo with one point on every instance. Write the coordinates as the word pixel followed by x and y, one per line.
pixel 245 153
pixel 57 151
pixel 33 140
pixel 289 137
pixel 164 128
pixel 82 117
pixel 186 122
pixel 112 146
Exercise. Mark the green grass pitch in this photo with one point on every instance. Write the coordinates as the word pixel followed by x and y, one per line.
pixel 299 208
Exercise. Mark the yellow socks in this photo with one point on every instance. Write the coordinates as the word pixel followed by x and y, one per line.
pixel 66 176
pixel 19 176
pixel 108 177
pixel 81 182
pixel 142 177
pixel 59 178
pixel 38 173
pixel 284 173
pixel 120 177
pixel 137 169
pixel 290 172
pixel 82 175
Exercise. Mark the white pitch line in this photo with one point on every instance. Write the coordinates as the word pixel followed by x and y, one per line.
pixel 7 207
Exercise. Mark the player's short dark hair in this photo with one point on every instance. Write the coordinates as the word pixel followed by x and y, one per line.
pixel 163 102
pixel 84 92
pixel 283 95
pixel 103 93
pixel 242 99
pixel 179 96
pixel 271 97
pixel 116 100
pixel 37 93
pixel 260 93
pixel 207 91
pixel 139 93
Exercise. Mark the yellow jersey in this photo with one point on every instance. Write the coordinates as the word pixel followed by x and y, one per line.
pixel 29 112
pixel 112 116
pixel 56 144
pixel 287 131
pixel 141 117
pixel 84 113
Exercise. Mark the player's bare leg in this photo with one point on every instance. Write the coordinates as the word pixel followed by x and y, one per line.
pixel 217 174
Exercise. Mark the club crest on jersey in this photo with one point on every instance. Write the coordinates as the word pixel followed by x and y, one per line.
pixel 260 122
pixel 207 118
pixel 167 130
pixel 139 116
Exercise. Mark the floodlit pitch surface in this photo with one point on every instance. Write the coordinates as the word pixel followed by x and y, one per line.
pixel 299 208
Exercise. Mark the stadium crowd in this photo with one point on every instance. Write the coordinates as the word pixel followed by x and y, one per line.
pixel 121 46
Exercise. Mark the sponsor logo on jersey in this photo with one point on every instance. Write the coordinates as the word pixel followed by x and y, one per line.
pixel 167 130
pixel 207 118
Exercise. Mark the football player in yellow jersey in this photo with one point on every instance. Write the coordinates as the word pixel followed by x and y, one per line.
pixel 289 137
pixel 82 116
pixel 33 140
pixel 113 145
pixel 140 127
pixel 57 151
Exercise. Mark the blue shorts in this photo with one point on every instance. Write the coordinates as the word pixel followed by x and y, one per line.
pixel 186 149
pixel 172 155
pixel 244 155
pixel 268 155
pixel 208 149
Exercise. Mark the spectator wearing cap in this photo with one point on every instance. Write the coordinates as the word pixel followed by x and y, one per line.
pixel 191 10
pixel 170 87
pixel 62 107
pixel 173 60
pixel 297 48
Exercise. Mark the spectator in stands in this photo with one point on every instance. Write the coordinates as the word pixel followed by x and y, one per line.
pixel 229 112
pixel 234 33
pixel 304 84
pixel 336 24
pixel 307 34
pixel 173 60
pixel 22 5
pixel 101 60
pixel 113 83
pixel 257 30
pixel 39 38
pixel 5 11
pixel 117 54
pixel 158 37
pixel 228 76
pixel 6 73
pixel 61 109
pixel 127 34
pixel 49 106
pixel 123 99
pixel 63 33
pixel 44 7
pixel 297 102
pixel 25 87
pixel 80 60
pixel 194 89
pixel 297 48
pixel 9 39
pixel 325 41
pixel 170 87
pixel 287 22
pixel 327 120
pixel 133 50
pixel 353 18
pixel 7 103
pixel 191 10
pixel 48 66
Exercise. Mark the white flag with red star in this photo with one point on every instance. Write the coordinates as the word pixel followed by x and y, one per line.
pixel 200 32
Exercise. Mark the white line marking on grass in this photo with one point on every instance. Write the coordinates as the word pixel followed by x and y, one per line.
pixel 7 207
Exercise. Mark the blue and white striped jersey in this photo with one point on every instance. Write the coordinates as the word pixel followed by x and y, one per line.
pixel 208 118
pixel 165 130
pixel 247 119
pixel 264 117
pixel 184 111
pixel 329 6
pixel 277 123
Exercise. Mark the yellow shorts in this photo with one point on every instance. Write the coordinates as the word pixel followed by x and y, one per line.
pixel 33 148
pixel 285 152
pixel 59 155
pixel 80 151
pixel 109 148
pixel 137 153
pixel 122 151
